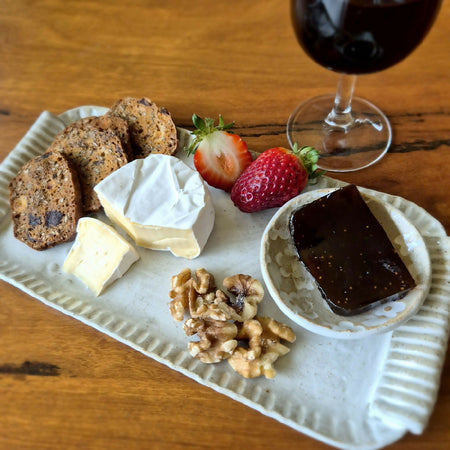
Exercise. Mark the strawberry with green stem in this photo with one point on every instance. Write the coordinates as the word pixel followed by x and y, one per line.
pixel 219 155
pixel 276 176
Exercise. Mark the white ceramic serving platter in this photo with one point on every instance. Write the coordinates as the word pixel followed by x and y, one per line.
pixel 296 293
pixel 364 393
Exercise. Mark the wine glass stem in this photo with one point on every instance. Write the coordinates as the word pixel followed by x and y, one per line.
pixel 341 114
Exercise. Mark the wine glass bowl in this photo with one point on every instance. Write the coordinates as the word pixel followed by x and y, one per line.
pixel 353 37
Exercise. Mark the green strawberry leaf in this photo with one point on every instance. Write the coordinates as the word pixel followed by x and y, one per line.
pixel 198 122
pixel 203 128
pixel 309 157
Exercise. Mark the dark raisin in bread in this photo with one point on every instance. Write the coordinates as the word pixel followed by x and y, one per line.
pixel 151 127
pixel 45 198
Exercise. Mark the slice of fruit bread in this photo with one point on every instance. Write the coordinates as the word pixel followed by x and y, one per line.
pixel 45 198
pixel 95 153
pixel 151 127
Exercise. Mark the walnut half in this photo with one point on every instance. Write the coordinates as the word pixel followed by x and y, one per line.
pixel 216 339
pixel 264 347
pixel 181 288
pixel 248 293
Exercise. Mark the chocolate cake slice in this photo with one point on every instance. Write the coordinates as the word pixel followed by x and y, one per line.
pixel 347 251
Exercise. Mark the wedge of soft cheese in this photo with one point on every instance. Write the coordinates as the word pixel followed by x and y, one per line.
pixel 99 255
pixel 161 203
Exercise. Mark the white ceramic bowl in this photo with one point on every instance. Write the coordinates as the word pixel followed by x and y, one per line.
pixel 296 293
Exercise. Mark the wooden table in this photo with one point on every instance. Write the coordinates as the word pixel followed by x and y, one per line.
pixel 239 59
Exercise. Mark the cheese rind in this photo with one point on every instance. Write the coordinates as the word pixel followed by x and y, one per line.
pixel 99 255
pixel 161 203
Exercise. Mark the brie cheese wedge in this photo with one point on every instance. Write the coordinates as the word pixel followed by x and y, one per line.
pixel 161 203
pixel 99 255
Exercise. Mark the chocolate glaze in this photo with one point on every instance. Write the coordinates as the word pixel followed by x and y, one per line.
pixel 349 254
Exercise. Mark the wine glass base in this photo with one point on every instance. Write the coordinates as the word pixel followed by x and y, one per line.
pixel 341 149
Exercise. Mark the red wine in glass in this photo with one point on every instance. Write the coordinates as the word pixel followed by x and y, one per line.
pixel 353 37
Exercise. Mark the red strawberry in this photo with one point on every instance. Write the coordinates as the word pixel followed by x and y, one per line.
pixel 276 176
pixel 219 156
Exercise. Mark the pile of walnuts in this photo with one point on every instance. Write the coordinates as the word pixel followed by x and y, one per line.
pixel 227 326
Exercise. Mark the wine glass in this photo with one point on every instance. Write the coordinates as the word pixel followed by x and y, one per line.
pixel 353 37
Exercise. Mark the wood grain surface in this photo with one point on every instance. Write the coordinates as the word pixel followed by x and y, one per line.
pixel 64 385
